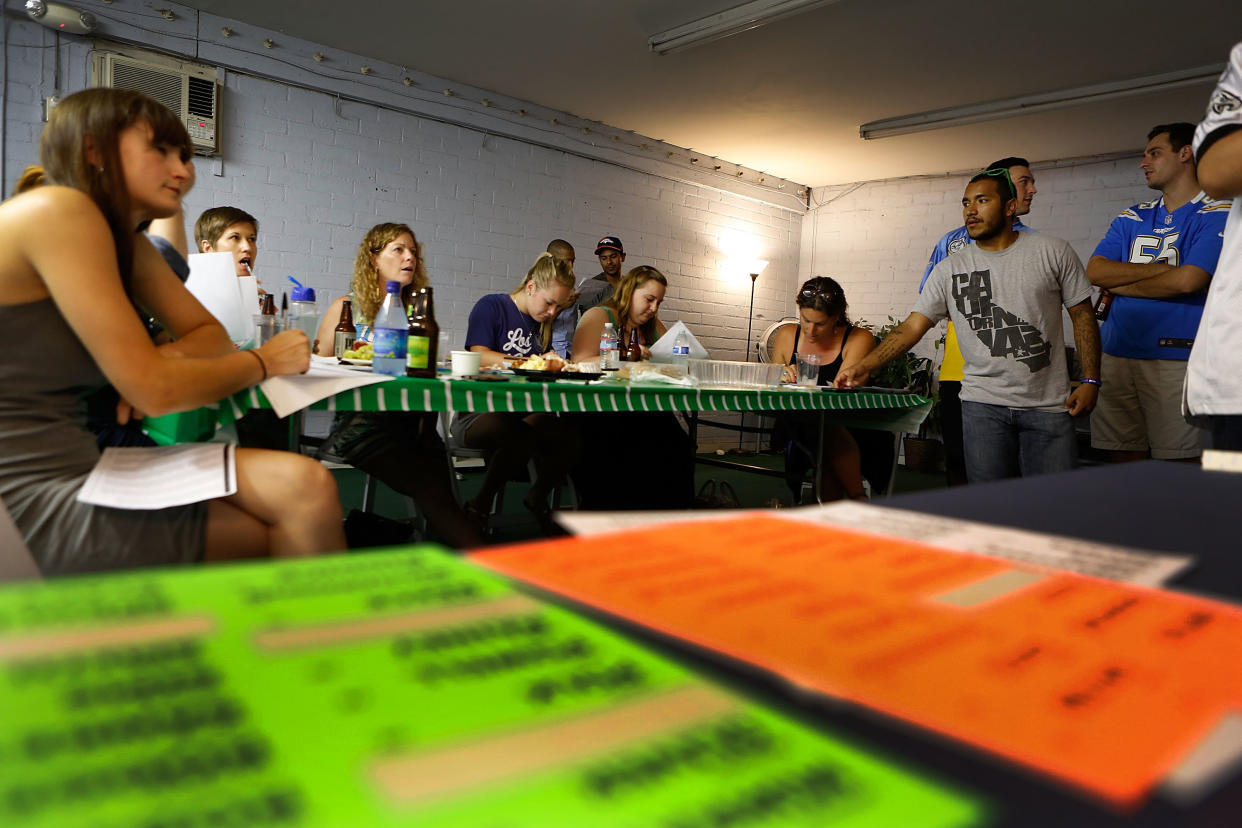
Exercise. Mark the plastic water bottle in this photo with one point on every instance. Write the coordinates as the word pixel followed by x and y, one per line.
pixel 303 312
pixel 681 350
pixel 390 334
pixel 609 355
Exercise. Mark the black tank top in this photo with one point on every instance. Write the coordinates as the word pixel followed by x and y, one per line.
pixel 827 373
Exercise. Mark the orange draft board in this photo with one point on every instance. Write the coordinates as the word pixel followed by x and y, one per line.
pixel 1108 686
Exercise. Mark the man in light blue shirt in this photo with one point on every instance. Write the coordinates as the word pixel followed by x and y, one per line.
pixel 567 319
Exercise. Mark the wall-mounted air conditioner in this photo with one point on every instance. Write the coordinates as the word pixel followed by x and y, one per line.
pixel 188 89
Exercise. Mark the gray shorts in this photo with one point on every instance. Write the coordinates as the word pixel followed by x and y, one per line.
pixel 1140 408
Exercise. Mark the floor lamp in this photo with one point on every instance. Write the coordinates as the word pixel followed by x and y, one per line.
pixel 756 267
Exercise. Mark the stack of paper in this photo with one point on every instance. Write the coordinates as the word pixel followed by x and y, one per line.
pixel 390 689
pixel 1112 687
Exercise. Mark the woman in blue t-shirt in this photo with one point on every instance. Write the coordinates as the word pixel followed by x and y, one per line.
pixel 503 326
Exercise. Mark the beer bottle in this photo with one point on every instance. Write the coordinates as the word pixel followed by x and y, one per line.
pixel 346 332
pixel 424 336
pixel 1103 305
pixel 633 350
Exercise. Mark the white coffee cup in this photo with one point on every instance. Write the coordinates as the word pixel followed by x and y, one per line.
pixel 465 363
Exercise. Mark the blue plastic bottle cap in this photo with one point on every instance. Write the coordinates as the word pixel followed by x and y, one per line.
pixel 392 287
pixel 302 294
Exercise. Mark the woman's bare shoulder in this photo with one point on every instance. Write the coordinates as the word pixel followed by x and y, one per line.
pixel 44 203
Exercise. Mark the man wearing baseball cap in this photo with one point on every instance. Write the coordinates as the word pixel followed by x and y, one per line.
pixel 598 288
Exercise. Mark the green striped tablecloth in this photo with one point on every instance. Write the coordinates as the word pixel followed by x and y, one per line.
pixel 888 411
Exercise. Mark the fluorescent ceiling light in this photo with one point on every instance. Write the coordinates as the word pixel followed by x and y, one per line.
pixel 1013 107
pixel 731 21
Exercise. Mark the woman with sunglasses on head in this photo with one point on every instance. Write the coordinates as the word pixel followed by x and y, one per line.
pixel 824 329
pixel 503 326
pixel 401 448
pixel 73 270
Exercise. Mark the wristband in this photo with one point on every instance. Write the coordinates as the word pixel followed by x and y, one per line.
pixel 1086 381
pixel 263 364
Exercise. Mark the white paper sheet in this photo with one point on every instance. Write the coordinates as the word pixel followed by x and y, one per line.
pixel 662 348
pixel 1116 563
pixel 248 286
pixel 213 281
pixel 325 378
pixel 160 477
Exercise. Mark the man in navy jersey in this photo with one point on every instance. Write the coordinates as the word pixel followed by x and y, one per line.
pixel 1156 261
pixel 950 386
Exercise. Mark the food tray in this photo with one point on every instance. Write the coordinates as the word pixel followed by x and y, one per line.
pixel 735 374
pixel 553 376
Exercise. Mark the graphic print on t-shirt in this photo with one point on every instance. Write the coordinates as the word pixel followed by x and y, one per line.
pixel 517 343
pixel 1006 334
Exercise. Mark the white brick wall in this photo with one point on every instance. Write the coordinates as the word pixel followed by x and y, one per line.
pixel 875 238
pixel 318 172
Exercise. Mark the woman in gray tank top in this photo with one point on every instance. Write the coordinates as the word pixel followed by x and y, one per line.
pixel 73 268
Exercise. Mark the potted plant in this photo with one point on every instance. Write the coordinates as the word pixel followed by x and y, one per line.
pixel 924 449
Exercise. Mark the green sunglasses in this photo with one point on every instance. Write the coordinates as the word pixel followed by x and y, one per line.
pixel 1001 172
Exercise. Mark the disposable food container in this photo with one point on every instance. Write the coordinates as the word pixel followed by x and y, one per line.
pixel 735 374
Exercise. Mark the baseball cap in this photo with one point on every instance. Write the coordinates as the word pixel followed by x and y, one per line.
pixel 609 243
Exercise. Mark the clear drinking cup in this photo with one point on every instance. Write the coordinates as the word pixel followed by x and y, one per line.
pixel 266 325
pixel 808 369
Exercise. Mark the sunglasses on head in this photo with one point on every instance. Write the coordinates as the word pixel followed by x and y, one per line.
pixel 1002 172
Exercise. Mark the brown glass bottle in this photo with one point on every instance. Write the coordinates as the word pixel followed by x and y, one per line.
pixel 1103 305
pixel 424 336
pixel 346 332
pixel 633 351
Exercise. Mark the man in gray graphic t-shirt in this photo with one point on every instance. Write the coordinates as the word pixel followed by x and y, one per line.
pixel 1004 294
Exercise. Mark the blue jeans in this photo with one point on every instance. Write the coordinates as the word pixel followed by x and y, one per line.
pixel 1015 442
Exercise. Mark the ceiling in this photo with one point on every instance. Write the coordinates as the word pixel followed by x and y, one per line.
pixel 788 98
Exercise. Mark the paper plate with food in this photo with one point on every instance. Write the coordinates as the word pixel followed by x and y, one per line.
pixel 361 354
pixel 551 366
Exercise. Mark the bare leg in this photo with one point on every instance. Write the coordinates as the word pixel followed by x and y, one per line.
pixel 509 441
pixel 286 506
pixel 412 461
pixel 842 464
pixel 556 448
pixel 232 534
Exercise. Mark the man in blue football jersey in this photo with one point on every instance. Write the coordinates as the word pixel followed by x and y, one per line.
pixel 1156 261
pixel 1023 181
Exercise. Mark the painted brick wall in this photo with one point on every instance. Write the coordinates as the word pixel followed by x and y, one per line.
pixel 319 172
pixel 875 238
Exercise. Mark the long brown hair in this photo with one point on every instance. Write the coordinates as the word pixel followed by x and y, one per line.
pixel 366 287
pixel 624 294
pixel 94 119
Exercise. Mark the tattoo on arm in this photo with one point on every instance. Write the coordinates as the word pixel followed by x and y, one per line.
pixel 1086 338
pixel 894 345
